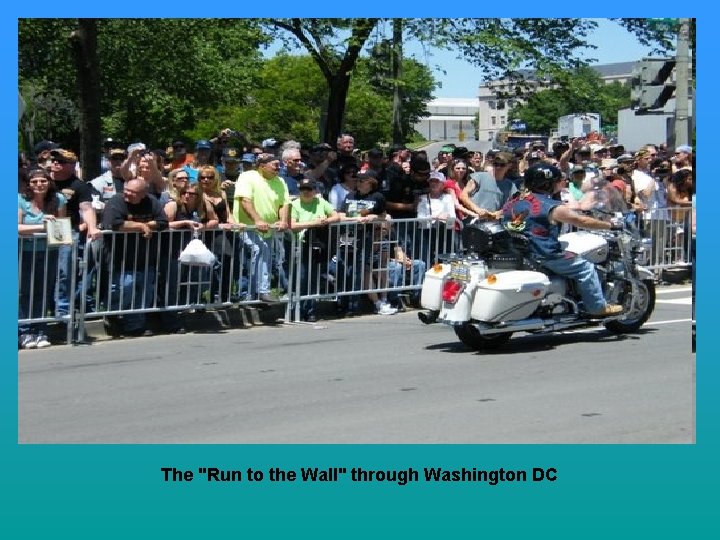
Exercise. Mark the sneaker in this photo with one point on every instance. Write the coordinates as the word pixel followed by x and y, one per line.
pixel 28 341
pixel 42 341
pixel 386 309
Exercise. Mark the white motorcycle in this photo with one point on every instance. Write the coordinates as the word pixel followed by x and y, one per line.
pixel 495 288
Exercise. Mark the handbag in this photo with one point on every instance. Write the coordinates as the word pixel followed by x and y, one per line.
pixel 196 253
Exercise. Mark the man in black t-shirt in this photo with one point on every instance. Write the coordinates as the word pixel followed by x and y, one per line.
pixel 133 255
pixel 82 218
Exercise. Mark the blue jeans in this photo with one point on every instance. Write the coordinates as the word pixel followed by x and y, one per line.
pixel 137 289
pixel 398 278
pixel 34 304
pixel 65 276
pixel 261 247
pixel 279 244
pixel 584 273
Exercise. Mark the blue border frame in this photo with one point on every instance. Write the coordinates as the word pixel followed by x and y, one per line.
pixel 659 491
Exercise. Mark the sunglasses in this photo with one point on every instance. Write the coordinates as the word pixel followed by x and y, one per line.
pixel 186 178
pixel 306 189
pixel 61 161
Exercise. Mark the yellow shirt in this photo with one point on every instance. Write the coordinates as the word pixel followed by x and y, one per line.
pixel 267 196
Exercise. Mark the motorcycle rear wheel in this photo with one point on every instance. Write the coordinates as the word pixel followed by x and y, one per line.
pixel 470 336
pixel 636 318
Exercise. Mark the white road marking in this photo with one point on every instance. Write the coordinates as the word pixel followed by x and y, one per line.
pixel 596 328
pixel 669 291
pixel 655 323
pixel 684 301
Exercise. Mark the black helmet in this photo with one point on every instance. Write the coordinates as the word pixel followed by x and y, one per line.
pixel 542 177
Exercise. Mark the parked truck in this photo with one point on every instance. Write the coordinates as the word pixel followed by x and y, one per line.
pixel 578 125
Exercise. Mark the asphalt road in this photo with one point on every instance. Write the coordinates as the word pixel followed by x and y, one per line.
pixel 372 379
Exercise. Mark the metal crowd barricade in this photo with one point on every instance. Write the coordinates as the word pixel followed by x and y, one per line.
pixel 361 258
pixel 344 260
pixel 668 233
pixel 122 273
pixel 39 278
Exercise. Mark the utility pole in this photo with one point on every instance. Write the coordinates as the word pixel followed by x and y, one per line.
pixel 397 55
pixel 682 65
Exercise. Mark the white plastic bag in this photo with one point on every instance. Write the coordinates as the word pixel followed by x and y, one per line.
pixel 196 253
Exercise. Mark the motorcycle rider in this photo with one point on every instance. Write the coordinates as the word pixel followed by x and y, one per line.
pixel 534 213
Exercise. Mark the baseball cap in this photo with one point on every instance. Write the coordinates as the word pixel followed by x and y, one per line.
pixel 266 158
pixel 307 183
pixel 65 156
pixel 419 165
pixel 203 144
pixel 248 157
pixel 460 152
pixel 321 147
pixel 577 168
pixel 375 153
pixel 684 148
pixel 501 158
pixel 437 176
pixel 45 145
pixel 231 154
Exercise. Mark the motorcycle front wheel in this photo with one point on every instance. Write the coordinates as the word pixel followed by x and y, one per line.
pixel 641 312
pixel 470 336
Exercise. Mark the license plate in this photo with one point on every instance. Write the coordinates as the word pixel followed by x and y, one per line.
pixel 460 272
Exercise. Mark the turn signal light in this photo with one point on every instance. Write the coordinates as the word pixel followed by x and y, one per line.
pixel 492 279
pixel 451 290
pixel 437 267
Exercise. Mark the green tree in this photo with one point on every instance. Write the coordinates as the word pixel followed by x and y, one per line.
pixel 287 101
pixel 581 90
pixel 158 77
pixel 335 57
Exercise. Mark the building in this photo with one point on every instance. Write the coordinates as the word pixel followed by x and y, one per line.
pixel 493 112
pixel 635 130
pixel 451 119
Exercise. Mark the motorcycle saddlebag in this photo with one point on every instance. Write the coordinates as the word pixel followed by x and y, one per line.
pixel 509 296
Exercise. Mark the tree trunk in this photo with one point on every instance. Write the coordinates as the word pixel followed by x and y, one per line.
pixel 336 108
pixel 84 45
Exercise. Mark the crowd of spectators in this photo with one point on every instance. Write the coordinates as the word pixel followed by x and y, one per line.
pixel 248 199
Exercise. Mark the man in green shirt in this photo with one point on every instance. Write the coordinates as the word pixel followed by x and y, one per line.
pixel 312 213
pixel 262 200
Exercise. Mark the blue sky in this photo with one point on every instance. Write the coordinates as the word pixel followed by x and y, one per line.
pixel 615 44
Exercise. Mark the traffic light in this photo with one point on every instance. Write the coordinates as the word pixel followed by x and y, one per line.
pixel 650 88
